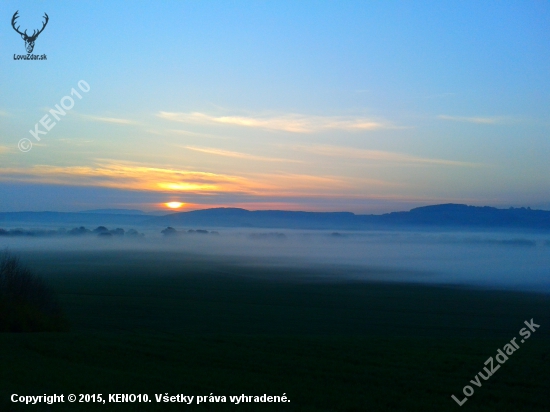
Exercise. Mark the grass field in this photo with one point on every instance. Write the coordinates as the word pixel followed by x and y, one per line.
pixel 156 323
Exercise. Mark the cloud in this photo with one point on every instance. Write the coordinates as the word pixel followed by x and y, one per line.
pixel 189 133
pixel 379 155
pixel 75 142
pixel 110 120
pixel 302 185
pixel 4 114
pixel 138 177
pixel 4 149
pixel 239 155
pixel 478 120
pixel 129 176
pixel 295 123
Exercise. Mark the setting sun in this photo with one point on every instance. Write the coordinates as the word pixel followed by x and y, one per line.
pixel 174 205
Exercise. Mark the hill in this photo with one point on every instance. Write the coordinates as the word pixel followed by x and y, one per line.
pixel 446 216
pixel 451 216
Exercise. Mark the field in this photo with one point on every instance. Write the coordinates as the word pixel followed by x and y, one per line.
pixel 156 323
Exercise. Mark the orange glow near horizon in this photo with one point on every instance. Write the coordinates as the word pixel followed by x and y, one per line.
pixel 174 205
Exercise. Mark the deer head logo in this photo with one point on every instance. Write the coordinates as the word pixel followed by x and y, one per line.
pixel 29 40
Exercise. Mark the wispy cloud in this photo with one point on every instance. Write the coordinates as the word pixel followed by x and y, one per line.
pixel 4 149
pixel 4 114
pixel 478 120
pixel 134 176
pixel 195 134
pixel 303 185
pixel 130 176
pixel 380 155
pixel 75 142
pixel 295 123
pixel 110 120
pixel 238 155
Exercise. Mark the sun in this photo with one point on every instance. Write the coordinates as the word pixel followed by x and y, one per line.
pixel 174 205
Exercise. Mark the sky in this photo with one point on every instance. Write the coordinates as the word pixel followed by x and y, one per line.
pixel 360 106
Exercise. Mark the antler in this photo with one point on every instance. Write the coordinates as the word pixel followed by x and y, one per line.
pixel 13 19
pixel 35 35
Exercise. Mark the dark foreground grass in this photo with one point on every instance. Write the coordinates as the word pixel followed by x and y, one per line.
pixel 26 303
pixel 155 323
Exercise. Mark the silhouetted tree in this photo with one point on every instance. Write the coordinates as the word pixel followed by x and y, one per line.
pixel 169 231
pixel 26 303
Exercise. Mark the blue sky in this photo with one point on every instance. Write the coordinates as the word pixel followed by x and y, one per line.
pixel 315 105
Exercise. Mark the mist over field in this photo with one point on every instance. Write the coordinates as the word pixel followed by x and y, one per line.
pixel 511 260
pixel 309 206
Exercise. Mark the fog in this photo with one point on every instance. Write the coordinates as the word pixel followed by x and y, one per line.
pixel 483 259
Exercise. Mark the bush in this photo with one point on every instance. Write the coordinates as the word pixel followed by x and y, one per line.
pixel 26 302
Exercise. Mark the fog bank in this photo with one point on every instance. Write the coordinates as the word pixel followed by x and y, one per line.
pixel 488 259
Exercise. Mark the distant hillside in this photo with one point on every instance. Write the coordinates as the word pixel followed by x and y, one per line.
pixel 469 216
pixel 427 217
pixel 64 218
pixel 232 217
pixel 116 211
pixel 448 216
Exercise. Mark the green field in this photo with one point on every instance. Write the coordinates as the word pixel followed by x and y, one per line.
pixel 156 323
